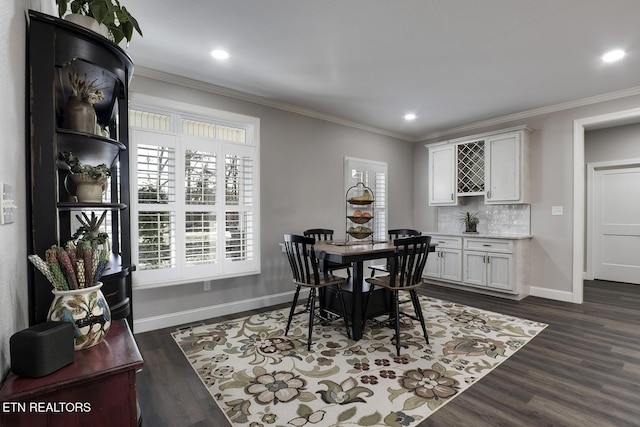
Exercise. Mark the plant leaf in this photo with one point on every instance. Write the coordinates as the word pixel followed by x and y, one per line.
pixel 370 420
pixel 349 413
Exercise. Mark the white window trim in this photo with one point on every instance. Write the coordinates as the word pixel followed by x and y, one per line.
pixel 165 277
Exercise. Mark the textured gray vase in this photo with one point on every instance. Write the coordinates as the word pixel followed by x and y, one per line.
pixel 79 115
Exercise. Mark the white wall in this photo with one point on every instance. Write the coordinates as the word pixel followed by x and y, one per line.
pixel 13 256
pixel 551 185
pixel 302 187
pixel 614 143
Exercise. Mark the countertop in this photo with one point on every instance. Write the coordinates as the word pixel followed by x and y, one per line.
pixel 480 235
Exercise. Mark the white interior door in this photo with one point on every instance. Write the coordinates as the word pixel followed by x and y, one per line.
pixel 616 224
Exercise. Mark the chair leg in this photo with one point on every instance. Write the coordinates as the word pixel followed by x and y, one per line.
pixel 418 309
pixel 312 309
pixel 293 309
pixel 344 310
pixel 396 309
pixel 365 306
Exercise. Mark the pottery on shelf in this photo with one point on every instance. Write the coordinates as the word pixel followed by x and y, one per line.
pixel 87 310
pixel 79 115
pixel 89 23
pixel 88 190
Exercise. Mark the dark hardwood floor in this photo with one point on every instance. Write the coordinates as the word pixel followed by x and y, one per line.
pixel 582 370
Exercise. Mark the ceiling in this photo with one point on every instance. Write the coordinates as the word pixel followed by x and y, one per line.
pixel 369 62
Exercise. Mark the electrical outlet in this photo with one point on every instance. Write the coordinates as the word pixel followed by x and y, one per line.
pixel 207 285
pixel 557 210
pixel 7 204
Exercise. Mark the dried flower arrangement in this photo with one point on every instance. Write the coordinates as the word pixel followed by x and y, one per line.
pixel 87 90
pixel 76 267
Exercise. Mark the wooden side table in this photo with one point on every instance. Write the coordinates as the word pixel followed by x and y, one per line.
pixel 97 389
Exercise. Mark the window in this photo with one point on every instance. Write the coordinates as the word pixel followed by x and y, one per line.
pixel 373 175
pixel 195 196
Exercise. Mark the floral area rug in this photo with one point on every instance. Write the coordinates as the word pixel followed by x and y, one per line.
pixel 260 377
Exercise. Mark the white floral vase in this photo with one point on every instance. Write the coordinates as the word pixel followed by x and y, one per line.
pixel 87 309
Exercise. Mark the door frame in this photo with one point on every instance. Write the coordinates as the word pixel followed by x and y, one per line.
pixel 579 188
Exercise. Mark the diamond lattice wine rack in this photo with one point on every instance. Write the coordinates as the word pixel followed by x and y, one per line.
pixel 471 168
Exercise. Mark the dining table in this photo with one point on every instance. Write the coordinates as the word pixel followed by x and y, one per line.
pixel 356 253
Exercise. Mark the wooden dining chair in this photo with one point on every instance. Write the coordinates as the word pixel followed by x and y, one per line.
pixel 406 268
pixel 393 234
pixel 306 273
pixel 321 234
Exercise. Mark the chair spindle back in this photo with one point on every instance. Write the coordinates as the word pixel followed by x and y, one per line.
pixel 399 233
pixel 409 260
pixel 302 258
pixel 319 233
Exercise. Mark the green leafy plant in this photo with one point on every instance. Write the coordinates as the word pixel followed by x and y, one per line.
pixel 470 221
pixel 97 173
pixel 108 12
pixel 89 230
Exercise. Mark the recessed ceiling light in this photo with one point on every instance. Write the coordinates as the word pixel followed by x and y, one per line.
pixel 613 55
pixel 409 116
pixel 220 54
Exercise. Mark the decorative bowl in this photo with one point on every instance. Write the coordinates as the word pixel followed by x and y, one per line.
pixel 360 219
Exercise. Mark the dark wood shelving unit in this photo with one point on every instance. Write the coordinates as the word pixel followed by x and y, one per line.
pixel 55 47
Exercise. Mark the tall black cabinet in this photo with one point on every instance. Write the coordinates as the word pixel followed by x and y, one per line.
pixel 55 47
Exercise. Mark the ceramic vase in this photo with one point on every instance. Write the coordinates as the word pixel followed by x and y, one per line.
pixel 79 115
pixel 471 228
pixel 87 310
pixel 89 23
pixel 88 190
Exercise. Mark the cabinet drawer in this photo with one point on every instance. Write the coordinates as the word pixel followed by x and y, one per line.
pixel 447 242
pixel 489 245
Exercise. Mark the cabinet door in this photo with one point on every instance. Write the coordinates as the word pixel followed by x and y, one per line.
pixel 451 264
pixel 442 176
pixel 475 268
pixel 432 266
pixel 503 168
pixel 500 271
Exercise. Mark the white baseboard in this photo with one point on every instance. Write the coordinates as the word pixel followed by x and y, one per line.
pixel 553 294
pixel 189 316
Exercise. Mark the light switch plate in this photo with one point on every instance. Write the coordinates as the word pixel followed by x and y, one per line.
pixel 557 210
pixel 7 204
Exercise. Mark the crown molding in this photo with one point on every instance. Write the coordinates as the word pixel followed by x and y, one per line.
pixel 535 112
pixel 243 96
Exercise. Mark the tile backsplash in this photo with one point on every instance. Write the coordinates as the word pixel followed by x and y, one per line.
pixel 494 219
